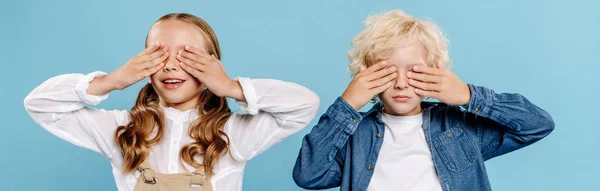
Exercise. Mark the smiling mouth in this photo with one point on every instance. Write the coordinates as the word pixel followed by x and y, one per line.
pixel 173 81
pixel 172 84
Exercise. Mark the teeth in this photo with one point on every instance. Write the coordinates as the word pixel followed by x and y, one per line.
pixel 173 81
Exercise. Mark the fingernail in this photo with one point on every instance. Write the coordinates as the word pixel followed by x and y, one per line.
pixel 181 63
pixel 179 52
pixel 411 81
pixel 416 67
pixel 394 74
pixel 409 74
pixel 383 63
pixel 179 56
pixel 187 47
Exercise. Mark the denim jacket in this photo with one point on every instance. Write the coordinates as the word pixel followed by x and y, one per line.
pixel 341 150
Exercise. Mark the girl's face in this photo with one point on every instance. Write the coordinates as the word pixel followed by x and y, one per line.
pixel 401 99
pixel 175 87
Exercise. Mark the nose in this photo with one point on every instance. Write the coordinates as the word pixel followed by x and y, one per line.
pixel 172 64
pixel 401 81
pixel 171 67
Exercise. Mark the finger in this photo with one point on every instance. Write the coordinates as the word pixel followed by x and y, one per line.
pixel 158 60
pixel 424 77
pixel 193 57
pixel 427 70
pixel 195 50
pixel 153 62
pixel 382 88
pixel 431 94
pixel 424 86
pixel 381 73
pixel 374 68
pixel 157 53
pixel 191 63
pixel 150 49
pixel 153 69
pixel 190 70
pixel 383 80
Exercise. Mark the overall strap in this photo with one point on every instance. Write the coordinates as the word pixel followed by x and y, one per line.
pixel 198 177
pixel 147 173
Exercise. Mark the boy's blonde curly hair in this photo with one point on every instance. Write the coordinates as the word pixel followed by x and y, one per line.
pixel 384 32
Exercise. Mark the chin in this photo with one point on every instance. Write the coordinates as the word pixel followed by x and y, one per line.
pixel 172 100
pixel 177 98
pixel 399 108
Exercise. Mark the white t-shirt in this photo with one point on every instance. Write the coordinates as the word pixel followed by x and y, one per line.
pixel 405 161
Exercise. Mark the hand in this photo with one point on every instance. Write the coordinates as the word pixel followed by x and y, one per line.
pixel 209 71
pixel 140 66
pixel 136 69
pixel 368 83
pixel 439 83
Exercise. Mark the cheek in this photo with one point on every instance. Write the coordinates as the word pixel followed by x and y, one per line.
pixel 386 92
pixel 153 78
pixel 193 87
pixel 195 83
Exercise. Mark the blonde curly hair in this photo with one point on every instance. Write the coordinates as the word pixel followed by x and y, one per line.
pixel 393 29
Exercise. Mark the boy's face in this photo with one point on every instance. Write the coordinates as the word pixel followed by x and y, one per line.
pixel 401 99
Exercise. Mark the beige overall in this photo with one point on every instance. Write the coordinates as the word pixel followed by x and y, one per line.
pixel 152 181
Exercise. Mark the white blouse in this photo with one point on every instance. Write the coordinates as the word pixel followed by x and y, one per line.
pixel 276 110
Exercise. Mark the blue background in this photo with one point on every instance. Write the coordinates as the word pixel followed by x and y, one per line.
pixel 545 50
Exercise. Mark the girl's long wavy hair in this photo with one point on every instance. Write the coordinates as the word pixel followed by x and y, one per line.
pixel 147 125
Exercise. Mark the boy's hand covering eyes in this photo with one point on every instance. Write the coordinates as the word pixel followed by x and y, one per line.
pixel 368 83
pixel 439 83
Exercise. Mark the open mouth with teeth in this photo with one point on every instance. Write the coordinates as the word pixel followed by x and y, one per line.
pixel 172 83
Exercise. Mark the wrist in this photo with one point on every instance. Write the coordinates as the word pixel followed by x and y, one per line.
pixel 109 81
pixel 100 86
pixel 235 90
pixel 350 102
pixel 467 95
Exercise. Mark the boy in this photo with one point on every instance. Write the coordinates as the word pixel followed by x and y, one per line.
pixel 403 143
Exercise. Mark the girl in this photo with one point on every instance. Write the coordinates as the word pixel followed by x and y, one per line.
pixel 180 122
